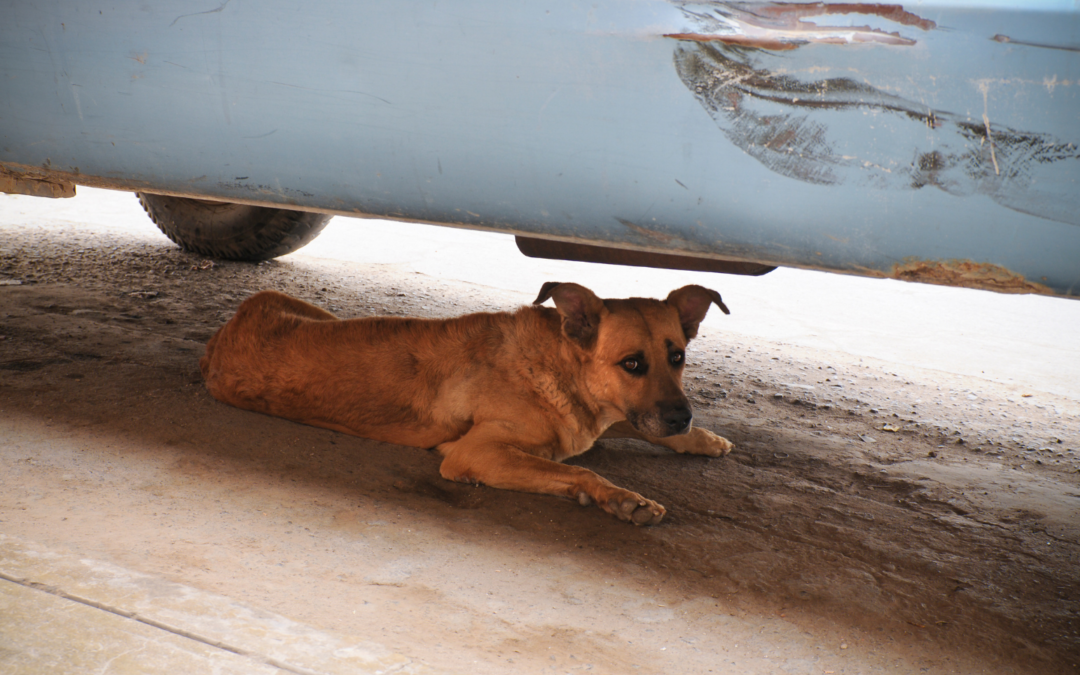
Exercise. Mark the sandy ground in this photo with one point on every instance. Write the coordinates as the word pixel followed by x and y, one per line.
pixel 903 498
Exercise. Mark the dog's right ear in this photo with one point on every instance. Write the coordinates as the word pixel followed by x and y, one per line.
pixel 579 307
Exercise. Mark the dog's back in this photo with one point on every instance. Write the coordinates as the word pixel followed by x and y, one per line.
pixel 387 378
pixel 261 319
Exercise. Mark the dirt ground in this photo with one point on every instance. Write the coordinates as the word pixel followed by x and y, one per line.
pixel 872 518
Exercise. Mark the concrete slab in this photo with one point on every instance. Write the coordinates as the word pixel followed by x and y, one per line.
pixel 45 633
pixel 62 614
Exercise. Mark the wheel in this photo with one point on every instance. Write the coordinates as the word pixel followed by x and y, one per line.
pixel 232 231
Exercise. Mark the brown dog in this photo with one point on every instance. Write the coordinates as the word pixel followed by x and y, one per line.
pixel 503 397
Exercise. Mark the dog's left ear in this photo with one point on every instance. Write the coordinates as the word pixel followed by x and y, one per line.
pixel 579 307
pixel 693 302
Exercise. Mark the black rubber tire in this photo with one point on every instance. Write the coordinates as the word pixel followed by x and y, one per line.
pixel 232 231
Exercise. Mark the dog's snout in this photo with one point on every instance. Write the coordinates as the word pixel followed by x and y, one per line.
pixel 678 418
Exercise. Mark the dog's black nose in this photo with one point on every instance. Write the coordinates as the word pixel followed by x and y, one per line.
pixel 678 418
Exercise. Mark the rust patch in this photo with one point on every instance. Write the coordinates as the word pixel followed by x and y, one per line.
pixel 966 274
pixel 645 232
pixel 781 26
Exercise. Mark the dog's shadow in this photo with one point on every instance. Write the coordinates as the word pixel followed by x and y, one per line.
pixel 783 524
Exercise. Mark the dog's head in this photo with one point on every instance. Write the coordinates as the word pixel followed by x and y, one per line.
pixel 637 350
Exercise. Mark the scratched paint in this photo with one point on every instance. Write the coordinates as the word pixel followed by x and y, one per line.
pixel 1005 39
pixel 783 26
pixel 838 131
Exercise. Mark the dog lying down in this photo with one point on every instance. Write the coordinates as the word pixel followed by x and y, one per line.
pixel 504 397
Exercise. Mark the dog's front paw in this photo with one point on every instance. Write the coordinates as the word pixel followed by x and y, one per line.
pixel 639 511
pixel 700 442
pixel 628 506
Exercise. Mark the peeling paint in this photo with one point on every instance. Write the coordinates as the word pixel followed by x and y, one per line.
pixel 820 132
pixel 896 13
pixel 781 26
pixel 966 274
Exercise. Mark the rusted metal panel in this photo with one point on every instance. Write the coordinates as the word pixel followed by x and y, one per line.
pixel 852 137
pixel 23 184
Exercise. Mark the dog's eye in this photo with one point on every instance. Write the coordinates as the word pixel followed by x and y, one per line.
pixel 631 365
pixel 676 358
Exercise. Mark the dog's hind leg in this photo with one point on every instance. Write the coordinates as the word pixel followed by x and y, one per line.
pixel 479 457
pixel 697 441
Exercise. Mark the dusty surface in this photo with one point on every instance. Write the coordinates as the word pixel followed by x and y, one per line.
pixel 874 517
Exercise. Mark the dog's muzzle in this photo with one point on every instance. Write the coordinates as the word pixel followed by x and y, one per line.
pixel 664 420
pixel 678 419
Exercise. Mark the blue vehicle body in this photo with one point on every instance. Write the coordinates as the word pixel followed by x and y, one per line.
pixel 934 141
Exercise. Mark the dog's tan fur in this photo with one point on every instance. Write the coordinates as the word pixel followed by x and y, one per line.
pixel 504 397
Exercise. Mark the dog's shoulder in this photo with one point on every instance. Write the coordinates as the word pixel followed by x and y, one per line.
pixel 526 325
pixel 537 320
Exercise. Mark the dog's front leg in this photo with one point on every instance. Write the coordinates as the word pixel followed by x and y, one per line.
pixel 697 441
pixel 479 457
